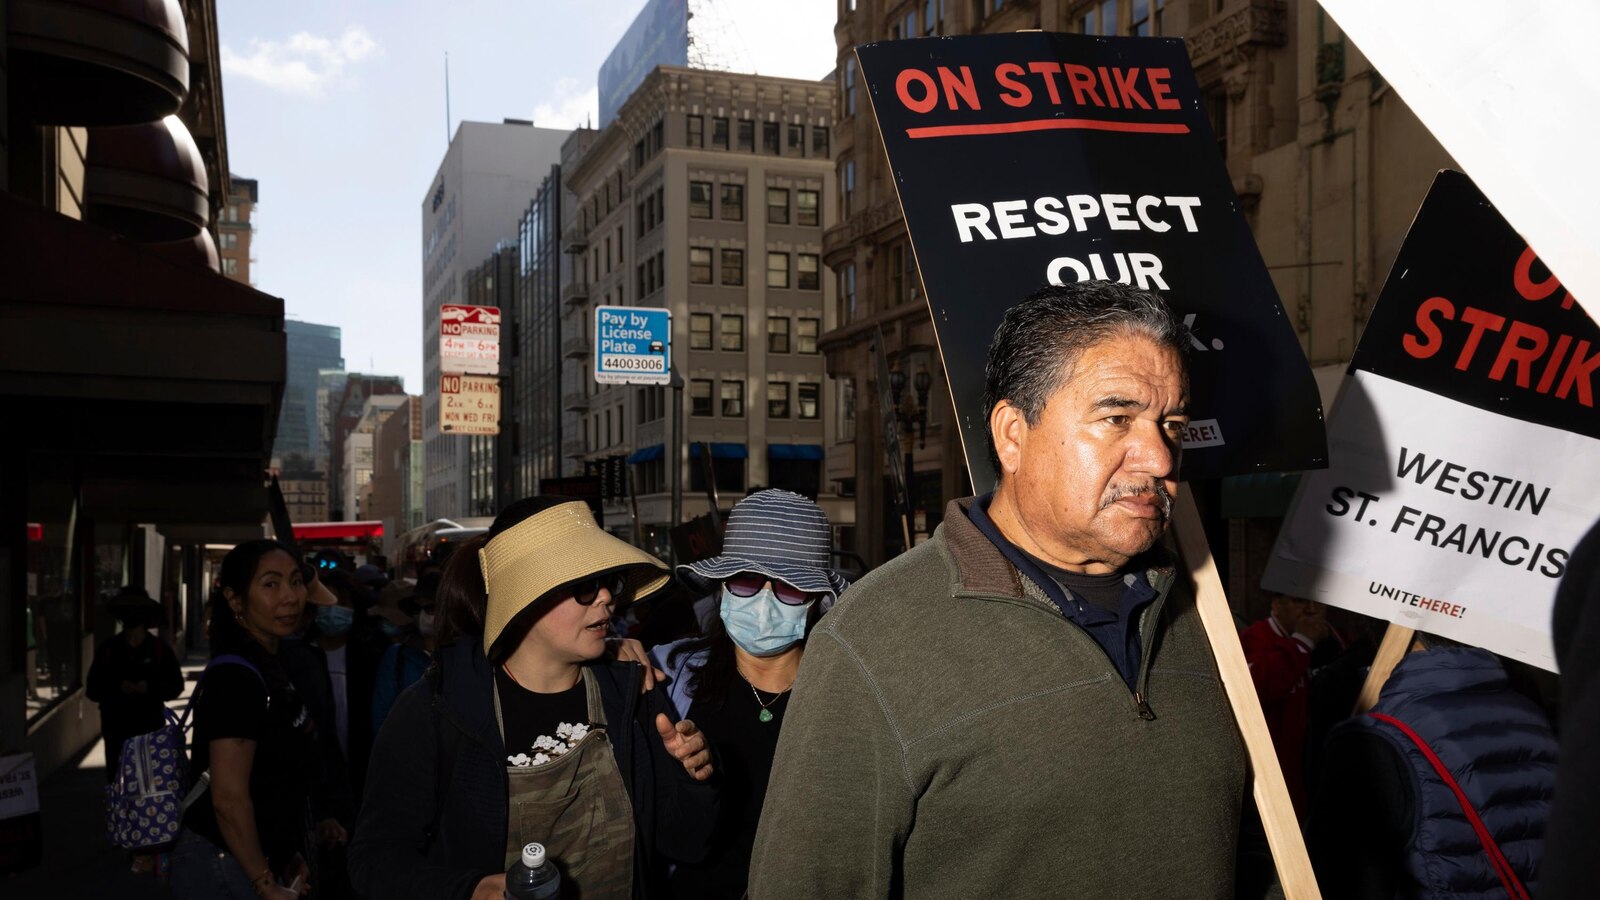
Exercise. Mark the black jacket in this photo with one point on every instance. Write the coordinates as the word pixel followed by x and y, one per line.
pixel 1572 843
pixel 307 665
pixel 123 716
pixel 433 822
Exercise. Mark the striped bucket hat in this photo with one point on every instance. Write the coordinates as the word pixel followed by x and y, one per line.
pixel 779 534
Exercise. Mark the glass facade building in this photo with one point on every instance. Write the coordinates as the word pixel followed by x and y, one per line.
pixel 299 446
pixel 535 353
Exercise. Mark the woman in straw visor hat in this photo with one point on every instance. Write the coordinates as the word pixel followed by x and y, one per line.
pixel 771 584
pixel 523 733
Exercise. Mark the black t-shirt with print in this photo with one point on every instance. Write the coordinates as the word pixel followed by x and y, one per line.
pixel 529 715
pixel 232 702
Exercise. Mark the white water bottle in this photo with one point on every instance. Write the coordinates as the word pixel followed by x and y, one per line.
pixel 533 877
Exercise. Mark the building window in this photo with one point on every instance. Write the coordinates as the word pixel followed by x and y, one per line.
pixel 777 206
pixel 769 138
pixel 733 333
pixel 747 135
pixel 777 270
pixel 1146 18
pixel 732 267
pixel 777 399
pixel 700 397
pixel 847 188
pixel 819 140
pixel 808 271
pixel 733 202
pixel 777 334
pixel 805 336
pixel 699 199
pixel 847 409
pixel 699 332
pixel 719 133
pixel 1101 18
pixel 733 399
pixel 847 294
pixel 699 265
pixel 910 29
pixel 797 140
pixel 230 266
pixel 912 282
pixel 807 208
pixel 810 400
pixel 850 86
pixel 932 14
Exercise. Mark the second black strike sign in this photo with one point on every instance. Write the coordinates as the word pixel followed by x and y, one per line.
pixel 1032 158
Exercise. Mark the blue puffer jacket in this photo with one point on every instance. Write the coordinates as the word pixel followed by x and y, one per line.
pixel 1498 746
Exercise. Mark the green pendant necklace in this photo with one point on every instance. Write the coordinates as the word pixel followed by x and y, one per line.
pixel 766 712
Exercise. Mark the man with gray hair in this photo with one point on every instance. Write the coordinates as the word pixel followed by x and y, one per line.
pixel 1025 705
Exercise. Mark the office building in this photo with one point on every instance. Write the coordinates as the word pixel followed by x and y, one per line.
pixel 298 447
pixel 349 410
pixel 355 473
pixel 709 196
pixel 396 484
pixel 474 201
pixel 493 282
pixel 234 231
pixel 531 398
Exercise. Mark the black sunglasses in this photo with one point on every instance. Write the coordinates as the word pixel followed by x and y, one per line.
pixel 748 584
pixel 588 590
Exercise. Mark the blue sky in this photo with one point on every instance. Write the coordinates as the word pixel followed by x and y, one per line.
pixel 338 109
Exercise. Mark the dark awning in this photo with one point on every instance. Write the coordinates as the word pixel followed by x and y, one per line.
pixel 811 452
pixel 647 454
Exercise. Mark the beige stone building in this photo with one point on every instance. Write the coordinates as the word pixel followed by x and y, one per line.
pixel 234 230
pixel 1329 164
pixel 709 195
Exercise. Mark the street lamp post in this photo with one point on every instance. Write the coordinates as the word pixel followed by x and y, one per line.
pixel 912 412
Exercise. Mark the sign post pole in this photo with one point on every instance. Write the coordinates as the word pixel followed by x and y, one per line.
pixel 675 455
pixel 1270 790
pixel 1396 643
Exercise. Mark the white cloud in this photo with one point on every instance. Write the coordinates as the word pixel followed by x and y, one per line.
pixel 304 64
pixel 571 105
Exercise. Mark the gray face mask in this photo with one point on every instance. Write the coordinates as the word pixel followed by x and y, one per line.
pixel 426 624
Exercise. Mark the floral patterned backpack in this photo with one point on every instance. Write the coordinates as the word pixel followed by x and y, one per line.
pixel 146 802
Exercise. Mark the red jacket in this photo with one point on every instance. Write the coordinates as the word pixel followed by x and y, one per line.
pixel 1279 663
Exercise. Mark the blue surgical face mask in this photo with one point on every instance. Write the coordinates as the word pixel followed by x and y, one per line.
pixel 761 625
pixel 390 630
pixel 335 621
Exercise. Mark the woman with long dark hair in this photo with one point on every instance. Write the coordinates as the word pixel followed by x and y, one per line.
pixel 255 746
pixel 522 732
pixel 772 583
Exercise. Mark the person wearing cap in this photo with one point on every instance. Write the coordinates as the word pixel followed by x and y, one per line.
pixel 255 741
pixel 133 675
pixel 770 585
pixel 522 732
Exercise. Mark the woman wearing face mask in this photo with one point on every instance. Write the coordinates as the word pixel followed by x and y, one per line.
pixel 772 583
pixel 403 663
pixel 245 835
pixel 522 732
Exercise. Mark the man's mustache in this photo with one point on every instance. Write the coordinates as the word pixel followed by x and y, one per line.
pixel 1120 491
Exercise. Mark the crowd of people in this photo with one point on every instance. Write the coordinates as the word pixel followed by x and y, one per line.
pixel 1024 705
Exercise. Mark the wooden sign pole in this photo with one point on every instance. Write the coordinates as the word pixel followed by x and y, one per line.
pixel 1271 792
pixel 1396 644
